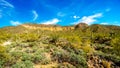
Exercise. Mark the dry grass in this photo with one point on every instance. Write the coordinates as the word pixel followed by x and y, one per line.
pixel 52 65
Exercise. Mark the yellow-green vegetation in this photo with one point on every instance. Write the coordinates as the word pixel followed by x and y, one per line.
pixel 75 48
pixel 106 64
pixel 116 45
pixel 5 57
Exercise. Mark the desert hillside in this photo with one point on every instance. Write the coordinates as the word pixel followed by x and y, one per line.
pixel 54 46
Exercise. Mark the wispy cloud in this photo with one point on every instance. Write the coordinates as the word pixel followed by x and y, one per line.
pixel 89 19
pixel 53 21
pixel 15 23
pixel 61 14
pixel 104 23
pixel 35 15
pixel 6 4
pixel 5 8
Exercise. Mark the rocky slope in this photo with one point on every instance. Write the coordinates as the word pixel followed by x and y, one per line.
pixel 53 46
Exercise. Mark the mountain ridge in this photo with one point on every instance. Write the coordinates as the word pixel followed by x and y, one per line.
pixel 80 26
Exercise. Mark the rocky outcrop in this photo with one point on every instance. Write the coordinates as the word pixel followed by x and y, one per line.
pixel 48 27
pixel 81 26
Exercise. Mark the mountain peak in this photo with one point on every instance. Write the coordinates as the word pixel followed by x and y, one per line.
pixel 81 25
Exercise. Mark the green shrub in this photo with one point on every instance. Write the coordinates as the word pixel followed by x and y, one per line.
pixel 46 61
pixel 4 56
pixel 38 58
pixel 26 56
pixel 75 59
pixel 1 63
pixel 87 49
pixel 78 60
pixel 116 45
pixel 102 39
pixel 114 58
pixel 30 37
pixel 25 64
pixel 16 55
pixel 54 38
pixel 4 37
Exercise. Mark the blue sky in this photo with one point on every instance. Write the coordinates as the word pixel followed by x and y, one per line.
pixel 61 12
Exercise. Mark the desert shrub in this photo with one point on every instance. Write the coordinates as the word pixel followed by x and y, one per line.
pixel 16 55
pixel 87 49
pixel 116 45
pixel 25 64
pixel 4 37
pixel 104 48
pixel 29 51
pixel 74 39
pixel 35 48
pixel 114 58
pixel 72 58
pixel 79 52
pixel 54 38
pixel 102 39
pixel 26 56
pixel 60 55
pixel 98 46
pixel 37 58
pixel 72 49
pixel 69 48
pixel 78 60
pixel 109 57
pixel 46 60
pixel 27 44
pixel 31 44
pixel 40 57
pixel 62 42
pixel 23 45
pixel 4 56
pixel 85 41
pixel 14 44
pixel 1 63
pixel 45 39
pixel 30 37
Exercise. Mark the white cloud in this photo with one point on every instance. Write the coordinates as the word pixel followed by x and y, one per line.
pixel 89 19
pixel 104 23
pixel 15 23
pixel 75 17
pixel 6 4
pixel 53 21
pixel 35 15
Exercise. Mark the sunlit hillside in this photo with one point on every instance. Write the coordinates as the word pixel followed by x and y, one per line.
pixel 53 46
